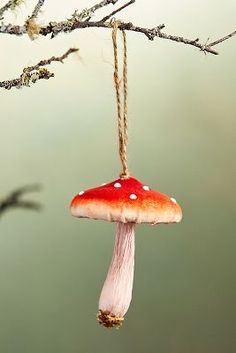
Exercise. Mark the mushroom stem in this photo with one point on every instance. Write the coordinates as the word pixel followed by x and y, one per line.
pixel 116 293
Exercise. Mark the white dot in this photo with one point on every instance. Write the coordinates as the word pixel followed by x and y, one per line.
pixel 146 188
pixel 81 193
pixel 103 184
pixel 133 196
pixel 117 185
pixel 173 200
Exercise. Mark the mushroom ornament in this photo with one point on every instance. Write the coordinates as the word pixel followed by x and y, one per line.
pixel 128 202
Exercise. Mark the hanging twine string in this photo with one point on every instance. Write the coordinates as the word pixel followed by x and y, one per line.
pixel 122 123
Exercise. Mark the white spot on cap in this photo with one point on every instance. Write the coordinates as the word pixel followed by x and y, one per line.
pixel 146 188
pixel 117 185
pixel 81 193
pixel 133 196
pixel 173 200
pixel 103 184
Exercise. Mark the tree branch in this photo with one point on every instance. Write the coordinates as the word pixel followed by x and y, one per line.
pixel 117 10
pixel 102 4
pixel 218 41
pixel 54 28
pixel 86 14
pixel 37 8
pixel 81 20
pixel 10 5
pixel 32 74
pixel 14 199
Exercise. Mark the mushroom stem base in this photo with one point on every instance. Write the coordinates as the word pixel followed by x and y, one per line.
pixel 109 320
pixel 116 293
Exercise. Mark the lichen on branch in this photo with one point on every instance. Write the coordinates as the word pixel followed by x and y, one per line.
pixel 82 20
pixel 32 74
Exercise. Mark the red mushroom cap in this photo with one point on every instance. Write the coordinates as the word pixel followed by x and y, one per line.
pixel 126 200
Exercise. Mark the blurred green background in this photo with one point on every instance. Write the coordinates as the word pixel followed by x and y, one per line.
pixel 62 134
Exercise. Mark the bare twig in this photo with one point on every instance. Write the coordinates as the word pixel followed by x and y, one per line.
pixel 53 58
pixel 32 74
pixel 10 5
pixel 37 8
pixel 102 4
pixel 104 19
pixel 218 41
pixel 14 199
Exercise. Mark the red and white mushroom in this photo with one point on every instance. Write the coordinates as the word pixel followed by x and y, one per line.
pixel 126 202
